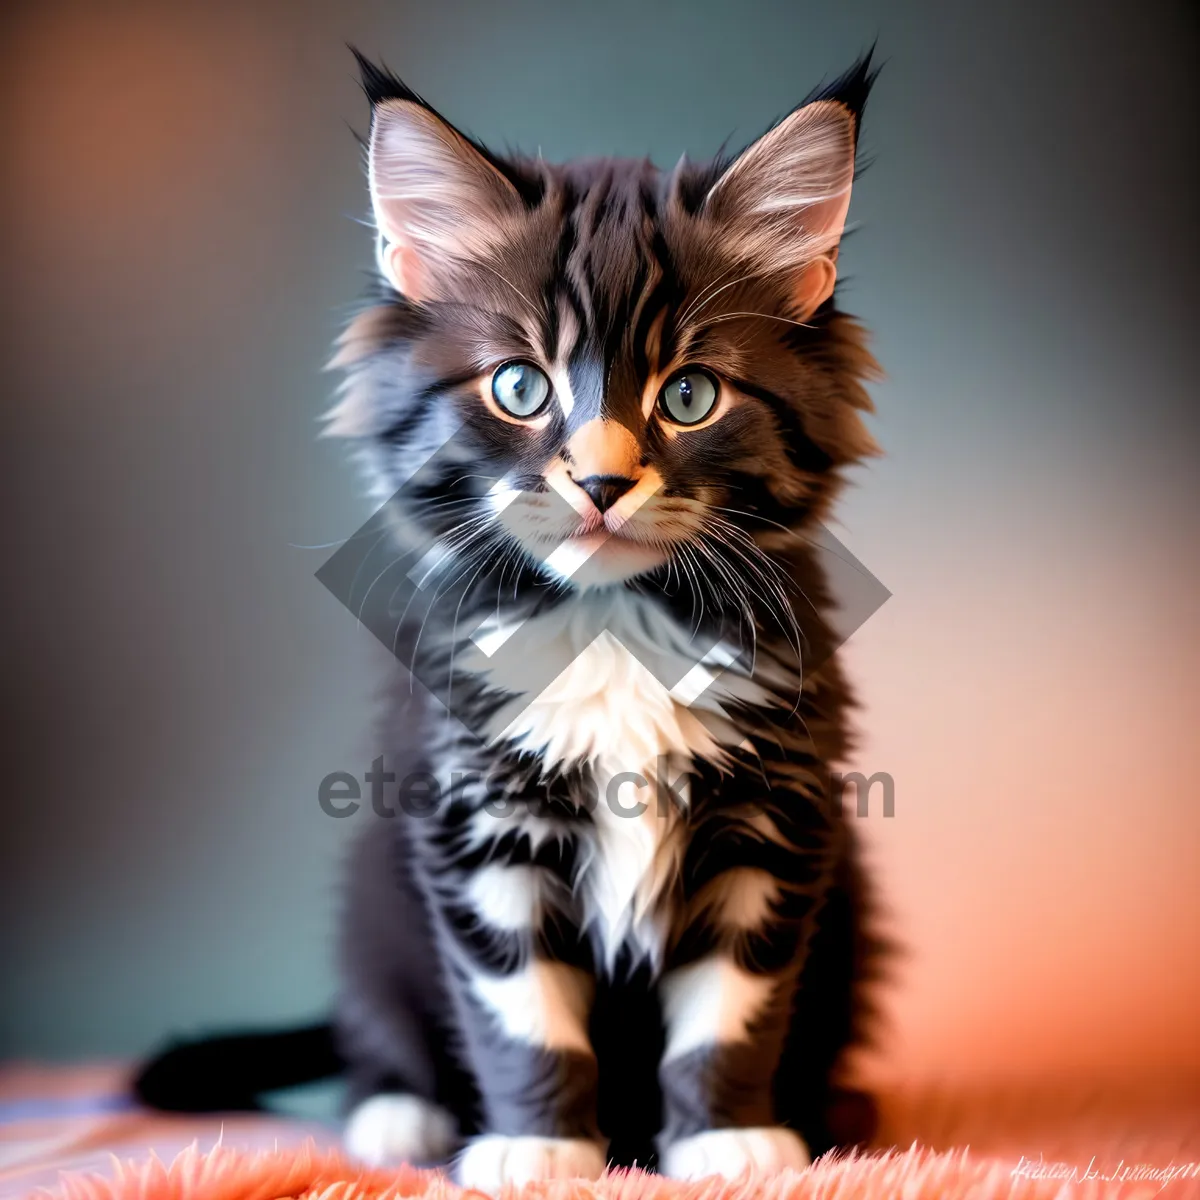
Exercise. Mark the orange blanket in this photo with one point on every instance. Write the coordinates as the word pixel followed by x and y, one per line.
pixel 61 1128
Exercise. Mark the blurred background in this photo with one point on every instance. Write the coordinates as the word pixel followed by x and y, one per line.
pixel 181 186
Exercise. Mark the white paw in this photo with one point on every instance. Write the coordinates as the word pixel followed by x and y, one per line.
pixel 730 1152
pixel 490 1162
pixel 389 1129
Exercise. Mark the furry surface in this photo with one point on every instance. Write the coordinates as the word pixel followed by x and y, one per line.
pixel 228 1174
pixel 970 1137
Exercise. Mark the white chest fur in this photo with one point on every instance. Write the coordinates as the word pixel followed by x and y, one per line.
pixel 638 737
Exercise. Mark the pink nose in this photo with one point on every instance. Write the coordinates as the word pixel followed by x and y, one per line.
pixel 605 490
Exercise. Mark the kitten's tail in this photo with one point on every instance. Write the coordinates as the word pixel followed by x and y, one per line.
pixel 229 1073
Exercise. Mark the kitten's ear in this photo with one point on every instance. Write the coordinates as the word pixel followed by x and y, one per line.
pixel 438 201
pixel 784 199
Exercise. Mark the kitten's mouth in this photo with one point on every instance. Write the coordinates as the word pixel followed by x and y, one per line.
pixel 600 529
pixel 594 549
pixel 605 552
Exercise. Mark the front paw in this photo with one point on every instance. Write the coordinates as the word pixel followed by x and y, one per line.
pixel 730 1152
pixel 396 1127
pixel 491 1161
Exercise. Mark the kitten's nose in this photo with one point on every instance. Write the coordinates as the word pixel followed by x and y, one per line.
pixel 605 490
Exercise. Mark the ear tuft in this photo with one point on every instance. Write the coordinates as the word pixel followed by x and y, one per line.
pixel 850 89
pixel 379 84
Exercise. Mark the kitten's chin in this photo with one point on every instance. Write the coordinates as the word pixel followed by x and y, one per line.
pixel 598 560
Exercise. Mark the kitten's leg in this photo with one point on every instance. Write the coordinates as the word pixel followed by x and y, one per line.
pixel 725 1029
pixel 832 1013
pixel 406 1101
pixel 522 1020
pixel 727 1020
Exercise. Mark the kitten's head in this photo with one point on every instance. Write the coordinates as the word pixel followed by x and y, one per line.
pixel 622 368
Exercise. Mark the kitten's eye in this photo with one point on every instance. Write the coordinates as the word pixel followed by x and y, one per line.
pixel 689 397
pixel 520 389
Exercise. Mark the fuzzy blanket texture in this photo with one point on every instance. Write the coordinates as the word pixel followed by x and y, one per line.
pixel 916 1174
pixel 74 1134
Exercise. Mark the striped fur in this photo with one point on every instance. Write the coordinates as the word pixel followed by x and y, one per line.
pixel 638 915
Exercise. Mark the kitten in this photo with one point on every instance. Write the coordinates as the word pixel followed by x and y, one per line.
pixel 632 929
pixel 622 917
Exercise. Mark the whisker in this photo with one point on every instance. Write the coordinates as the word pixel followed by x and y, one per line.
pixel 453 551
pixel 785 529
pixel 425 620
pixel 454 632
pixel 773 583
pixel 697 306
pixel 763 558
pixel 765 316
pixel 738 595
pixel 533 309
